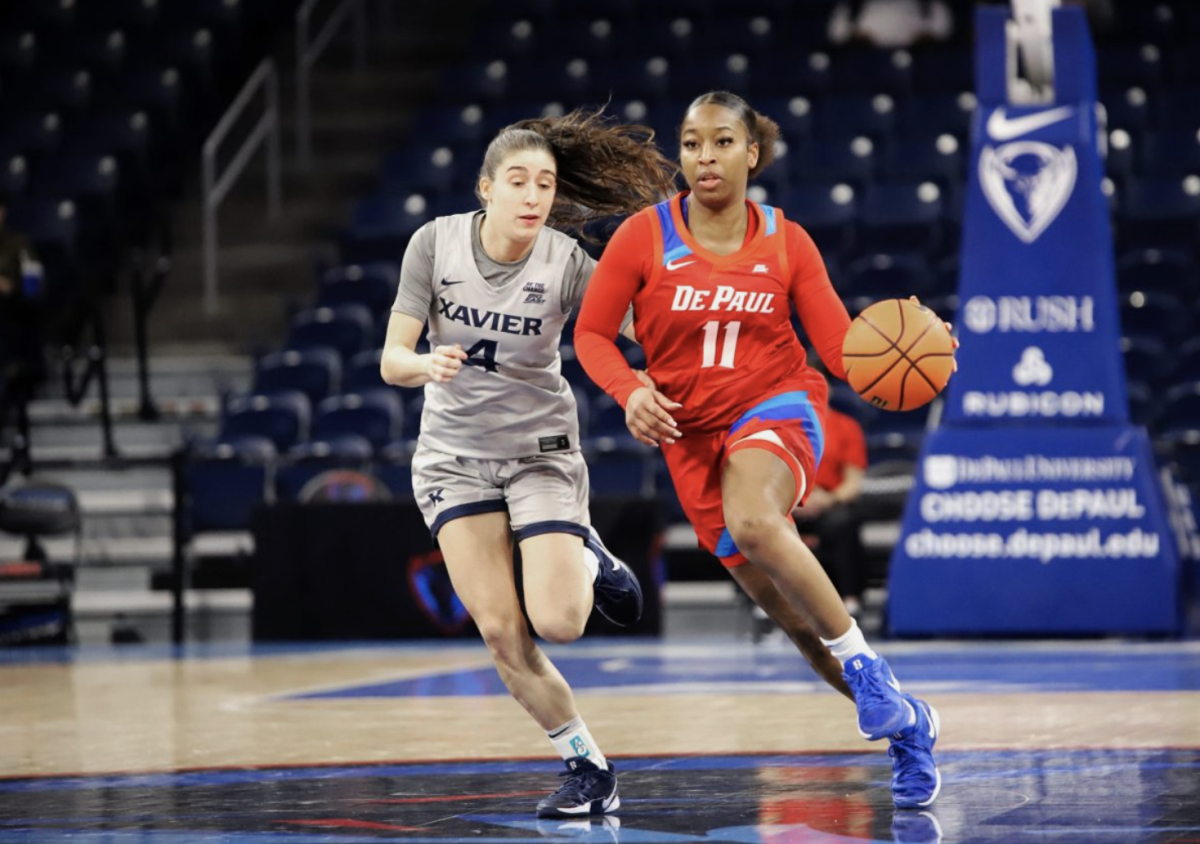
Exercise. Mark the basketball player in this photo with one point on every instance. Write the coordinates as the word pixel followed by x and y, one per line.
pixel 739 415
pixel 498 454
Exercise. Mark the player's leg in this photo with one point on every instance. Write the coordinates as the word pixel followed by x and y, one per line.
pixel 567 570
pixel 547 501
pixel 760 485
pixel 762 590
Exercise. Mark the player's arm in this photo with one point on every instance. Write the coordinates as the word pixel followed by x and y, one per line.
pixel 401 364
pixel 820 309
pixel 605 304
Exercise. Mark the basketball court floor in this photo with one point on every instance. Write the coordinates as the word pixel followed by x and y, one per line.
pixel 715 741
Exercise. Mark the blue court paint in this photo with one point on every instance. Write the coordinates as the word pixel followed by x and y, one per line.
pixel 982 668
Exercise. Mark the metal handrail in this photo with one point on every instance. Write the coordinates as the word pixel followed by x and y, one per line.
pixel 309 51
pixel 217 187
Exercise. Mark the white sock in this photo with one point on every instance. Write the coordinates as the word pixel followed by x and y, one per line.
pixel 573 739
pixel 850 644
pixel 592 563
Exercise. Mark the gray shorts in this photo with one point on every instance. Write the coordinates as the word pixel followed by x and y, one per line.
pixel 547 493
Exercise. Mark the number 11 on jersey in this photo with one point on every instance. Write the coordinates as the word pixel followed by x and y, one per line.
pixel 728 345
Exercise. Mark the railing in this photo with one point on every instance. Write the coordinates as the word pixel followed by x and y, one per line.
pixel 216 187
pixel 308 51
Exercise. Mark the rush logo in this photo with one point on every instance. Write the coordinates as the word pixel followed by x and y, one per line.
pixel 724 298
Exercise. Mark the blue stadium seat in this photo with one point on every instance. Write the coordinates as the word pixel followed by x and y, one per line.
pixel 362 372
pixel 1158 271
pixel 315 372
pixel 643 77
pixel 283 418
pixel 39 130
pixel 1142 405
pixel 14 174
pixel 623 474
pixel 1175 108
pixel 98 50
pixel 505 39
pixel 793 73
pixel 753 35
pixel 702 72
pixel 1180 410
pixel 591 37
pixel 1147 361
pixel 55 89
pixel 1128 66
pixel 96 178
pixel 871 71
pixel 345 328
pixel 306 461
pixel 1187 357
pixel 851 115
pixel 1159 213
pixel 887 277
pixel 377 415
pixel 795 116
pixel 1127 108
pixel 225 481
pixel 373 285
pixel 455 125
pixel 827 211
pixel 482 82
pixel 946 69
pixel 53 227
pixel 842 159
pixel 394 468
pixel 1166 154
pixel 382 227
pixel 18 50
pixel 1153 314
pixel 670 36
pixel 929 114
pixel 895 218
pixel 606 425
pixel 414 405
pixel 918 159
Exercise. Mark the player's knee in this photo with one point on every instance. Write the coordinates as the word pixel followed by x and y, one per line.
pixel 503 638
pixel 750 530
pixel 559 626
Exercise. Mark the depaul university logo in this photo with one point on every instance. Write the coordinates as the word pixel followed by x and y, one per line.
pixel 1027 183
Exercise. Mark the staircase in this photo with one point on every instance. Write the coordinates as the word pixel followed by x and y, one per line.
pixel 267 271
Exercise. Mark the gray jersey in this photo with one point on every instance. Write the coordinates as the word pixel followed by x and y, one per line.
pixel 510 399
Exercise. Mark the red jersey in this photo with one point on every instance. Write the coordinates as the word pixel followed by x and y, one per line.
pixel 716 329
pixel 845 445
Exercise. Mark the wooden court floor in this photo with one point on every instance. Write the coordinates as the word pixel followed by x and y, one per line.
pixel 715 741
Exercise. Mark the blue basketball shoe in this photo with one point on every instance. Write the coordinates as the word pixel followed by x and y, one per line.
pixel 589 790
pixel 882 709
pixel 618 593
pixel 916 780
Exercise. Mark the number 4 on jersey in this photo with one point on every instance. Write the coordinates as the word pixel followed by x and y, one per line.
pixel 728 346
pixel 486 349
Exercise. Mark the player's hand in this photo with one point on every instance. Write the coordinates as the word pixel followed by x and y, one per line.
pixel 648 417
pixel 949 329
pixel 444 362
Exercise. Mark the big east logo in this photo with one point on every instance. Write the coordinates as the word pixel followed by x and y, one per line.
pixel 724 298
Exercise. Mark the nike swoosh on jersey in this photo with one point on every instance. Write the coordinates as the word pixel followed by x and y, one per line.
pixel 447 282
pixel 673 265
pixel 1004 128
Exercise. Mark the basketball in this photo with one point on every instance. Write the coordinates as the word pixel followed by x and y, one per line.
pixel 898 355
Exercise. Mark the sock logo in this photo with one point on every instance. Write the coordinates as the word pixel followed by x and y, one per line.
pixel 580 746
pixel 857 665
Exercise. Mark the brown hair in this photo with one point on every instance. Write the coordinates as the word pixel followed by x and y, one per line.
pixel 760 129
pixel 604 167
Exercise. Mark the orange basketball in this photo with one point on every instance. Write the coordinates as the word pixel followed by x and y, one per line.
pixel 898 355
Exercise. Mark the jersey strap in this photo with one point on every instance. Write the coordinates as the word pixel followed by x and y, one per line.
pixel 673 246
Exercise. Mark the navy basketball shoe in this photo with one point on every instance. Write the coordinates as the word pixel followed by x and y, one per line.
pixel 882 709
pixel 589 790
pixel 916 780
pixel 618 593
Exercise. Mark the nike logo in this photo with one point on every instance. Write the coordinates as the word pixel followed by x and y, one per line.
pixel 1004 128
pixel 447 282
pixel 675 265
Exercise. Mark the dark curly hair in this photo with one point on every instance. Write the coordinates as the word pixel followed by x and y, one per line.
pixel 605 168
pixel 761 129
